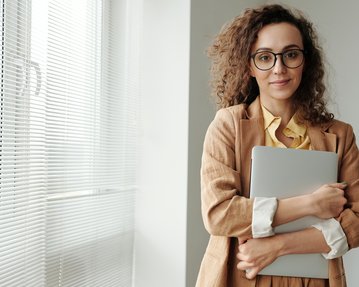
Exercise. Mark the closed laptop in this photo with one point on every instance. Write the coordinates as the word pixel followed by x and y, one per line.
pixel 282 173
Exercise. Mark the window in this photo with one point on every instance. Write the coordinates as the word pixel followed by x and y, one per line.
pixel 69 122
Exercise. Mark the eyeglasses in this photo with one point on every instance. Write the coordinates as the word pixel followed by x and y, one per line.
pixel 265 60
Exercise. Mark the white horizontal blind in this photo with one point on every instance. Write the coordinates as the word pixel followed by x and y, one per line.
pixel 74 109
pixel 22 157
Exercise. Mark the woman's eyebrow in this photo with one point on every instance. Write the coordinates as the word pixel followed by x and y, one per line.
pixel 284 48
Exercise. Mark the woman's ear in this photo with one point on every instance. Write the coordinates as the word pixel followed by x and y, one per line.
pixel 251 71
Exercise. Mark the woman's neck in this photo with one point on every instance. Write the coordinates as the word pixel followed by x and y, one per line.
pixel 280 108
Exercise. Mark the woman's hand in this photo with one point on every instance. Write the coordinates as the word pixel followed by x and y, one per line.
pixel 255 254
pixel 328 201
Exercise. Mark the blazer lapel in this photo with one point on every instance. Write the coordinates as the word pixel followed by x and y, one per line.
pixel 320 139
pixel 251 134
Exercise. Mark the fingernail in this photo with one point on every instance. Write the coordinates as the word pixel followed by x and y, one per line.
pixel 344 182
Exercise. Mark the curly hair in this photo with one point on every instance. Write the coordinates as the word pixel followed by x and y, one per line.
pixel 230 53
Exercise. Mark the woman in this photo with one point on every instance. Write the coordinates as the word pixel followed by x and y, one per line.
pixel 267 72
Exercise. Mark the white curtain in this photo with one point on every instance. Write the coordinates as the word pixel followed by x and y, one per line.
pixel 69 130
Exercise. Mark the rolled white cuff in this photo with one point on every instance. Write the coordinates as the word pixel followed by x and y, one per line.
pixel 334 236
pixel 264 209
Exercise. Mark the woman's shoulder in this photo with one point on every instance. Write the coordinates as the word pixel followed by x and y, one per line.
pixel 339 127
pixel 338 124
pixel 227 119
pixel 236 111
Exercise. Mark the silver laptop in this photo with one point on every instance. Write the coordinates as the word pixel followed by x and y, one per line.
pixel 281 173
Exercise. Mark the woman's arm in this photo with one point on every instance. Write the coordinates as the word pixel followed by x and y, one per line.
pixel 225 211
pixel 326 202
pixel 255 254
pixel 349 171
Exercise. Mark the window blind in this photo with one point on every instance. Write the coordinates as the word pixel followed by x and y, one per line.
pixel 22 159
pixel 69 122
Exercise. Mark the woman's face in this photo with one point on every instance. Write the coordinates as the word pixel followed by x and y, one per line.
pixel 280 82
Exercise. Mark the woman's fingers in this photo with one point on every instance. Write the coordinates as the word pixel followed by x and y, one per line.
pixel 341 185
pixel 256 254
pixel 245 265
pixel 250 269
pixel 242 240
pixel 329 200
pixel 252 272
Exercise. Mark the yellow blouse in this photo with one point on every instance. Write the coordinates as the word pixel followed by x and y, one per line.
pixel 293 130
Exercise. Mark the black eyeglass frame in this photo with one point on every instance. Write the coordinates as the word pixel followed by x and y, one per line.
pixel 275 58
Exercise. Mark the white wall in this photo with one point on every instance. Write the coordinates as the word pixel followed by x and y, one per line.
pixel 160 238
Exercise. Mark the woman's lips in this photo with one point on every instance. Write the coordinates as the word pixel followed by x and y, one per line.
pixel 279 82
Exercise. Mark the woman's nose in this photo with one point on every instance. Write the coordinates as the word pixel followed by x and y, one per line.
pixel 279 67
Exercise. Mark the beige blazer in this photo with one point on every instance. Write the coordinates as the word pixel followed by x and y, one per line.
pixel 225 179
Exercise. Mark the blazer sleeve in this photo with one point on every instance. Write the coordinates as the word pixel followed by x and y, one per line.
pixel 225 211
pixel 349 172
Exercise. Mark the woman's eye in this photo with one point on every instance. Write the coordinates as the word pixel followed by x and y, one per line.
pixel 291 54
pixel 264 57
